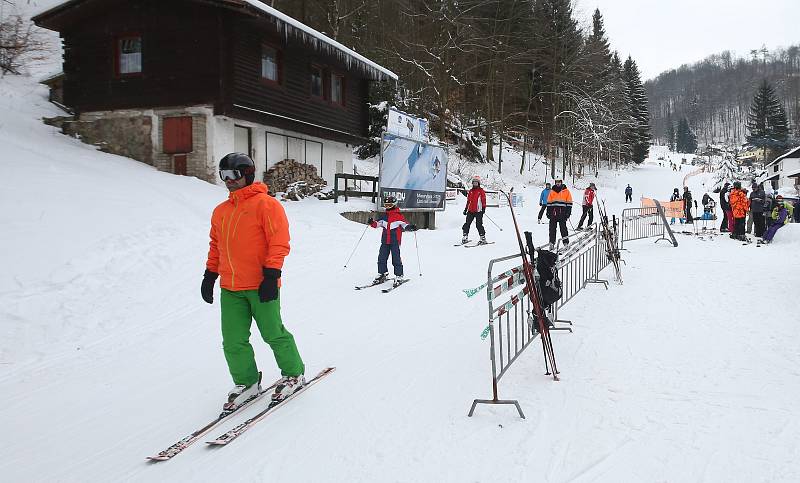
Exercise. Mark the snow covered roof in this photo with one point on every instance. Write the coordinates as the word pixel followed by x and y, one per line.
pixel 291 27
pixel 308 34
pixel 792 153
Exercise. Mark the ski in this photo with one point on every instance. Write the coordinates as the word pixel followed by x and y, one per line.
pixel 389 289
pixel 478 244
pixel 192 438
pixel 237 431
pixel 462 244
pixel 362 287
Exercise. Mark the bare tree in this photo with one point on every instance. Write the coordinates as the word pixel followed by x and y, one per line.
pixel 21 42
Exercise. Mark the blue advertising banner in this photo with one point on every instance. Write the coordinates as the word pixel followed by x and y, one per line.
pixel 414 172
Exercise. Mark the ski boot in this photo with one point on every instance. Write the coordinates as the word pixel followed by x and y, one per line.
pixel 287 386
pixel 483 240
pixel 398 280
pixel 464 239
pixel 241 393
pixel 382 277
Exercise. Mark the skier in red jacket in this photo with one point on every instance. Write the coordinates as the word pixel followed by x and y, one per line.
pixel 588 206
pixel 476 207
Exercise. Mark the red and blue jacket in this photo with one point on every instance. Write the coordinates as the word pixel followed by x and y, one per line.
pixel 393 224
pixel 476 200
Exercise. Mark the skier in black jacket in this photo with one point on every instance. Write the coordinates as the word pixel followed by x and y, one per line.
pixel 757 201
pixel 687 204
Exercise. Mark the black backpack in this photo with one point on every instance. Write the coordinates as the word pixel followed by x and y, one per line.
pixel 549 284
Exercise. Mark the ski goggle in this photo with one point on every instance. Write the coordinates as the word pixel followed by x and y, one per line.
pixel 231 174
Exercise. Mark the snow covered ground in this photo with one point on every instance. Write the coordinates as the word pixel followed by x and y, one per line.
pixel 690 371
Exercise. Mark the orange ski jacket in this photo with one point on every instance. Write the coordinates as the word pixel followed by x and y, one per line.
pixel 739 203
pixel 249 232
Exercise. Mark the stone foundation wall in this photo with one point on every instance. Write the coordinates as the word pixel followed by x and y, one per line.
pixel 128 136
pixel 132 134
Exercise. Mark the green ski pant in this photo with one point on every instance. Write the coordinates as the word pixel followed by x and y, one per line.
pixel 239 308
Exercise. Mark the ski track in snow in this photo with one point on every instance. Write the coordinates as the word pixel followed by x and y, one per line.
pixel 688 372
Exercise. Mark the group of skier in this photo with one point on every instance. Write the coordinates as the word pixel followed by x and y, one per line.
pixel 759 213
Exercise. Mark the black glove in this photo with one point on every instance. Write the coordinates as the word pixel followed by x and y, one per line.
pixel 465 211
pixel 411 228
pixel 207 287
pixel 370 221
pixel 483 211
pixel 268 290
pixel 568 213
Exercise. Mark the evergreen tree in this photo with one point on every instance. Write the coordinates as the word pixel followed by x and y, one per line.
pixel 685 140
pixel 621 108
pixel 557 50
pixel 766 121
pixel 638 103
pixel 670 134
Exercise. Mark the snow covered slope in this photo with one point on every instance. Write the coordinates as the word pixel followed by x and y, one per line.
pixel 688 372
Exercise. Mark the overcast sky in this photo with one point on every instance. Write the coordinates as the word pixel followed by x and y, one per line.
pixel 664 34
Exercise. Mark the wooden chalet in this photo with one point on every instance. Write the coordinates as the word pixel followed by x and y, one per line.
pixel 180 83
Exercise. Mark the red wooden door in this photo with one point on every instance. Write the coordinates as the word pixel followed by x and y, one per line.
pixel 179 164
pixel 178 135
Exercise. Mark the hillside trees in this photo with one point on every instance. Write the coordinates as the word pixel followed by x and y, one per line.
pixel 495 71
pixel 715 94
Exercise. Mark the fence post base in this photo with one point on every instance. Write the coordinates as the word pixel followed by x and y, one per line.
pixel 495 401
pixel 559 321
pixel 595 280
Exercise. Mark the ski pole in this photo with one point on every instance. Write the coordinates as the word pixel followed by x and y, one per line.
pixel 355 247
pixel 416 246
pixel 495 224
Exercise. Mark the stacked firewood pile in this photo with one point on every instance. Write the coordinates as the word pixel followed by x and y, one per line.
pixel 297 180
pixel 300 189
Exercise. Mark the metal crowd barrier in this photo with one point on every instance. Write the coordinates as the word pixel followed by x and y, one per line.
pixel 639 223
pixel 510 309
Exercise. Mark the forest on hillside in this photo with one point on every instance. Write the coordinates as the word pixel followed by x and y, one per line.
pixel 715 94
pixel 488 71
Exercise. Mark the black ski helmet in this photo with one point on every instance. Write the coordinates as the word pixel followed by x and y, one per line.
pixel 737 185
pixel 241 163
pixel 389 202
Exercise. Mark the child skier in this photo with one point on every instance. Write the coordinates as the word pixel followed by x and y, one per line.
pixel 393 224
pixel 676 196
pixel 475 208
pixel 781 215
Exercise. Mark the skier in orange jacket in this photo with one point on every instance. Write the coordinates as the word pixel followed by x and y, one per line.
pixel 249 240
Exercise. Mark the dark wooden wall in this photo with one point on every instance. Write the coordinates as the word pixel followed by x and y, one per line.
pixel 194 53
pixel 180 55
pixel 292 98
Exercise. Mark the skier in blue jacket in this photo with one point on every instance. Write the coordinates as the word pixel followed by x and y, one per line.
pixel 543 201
